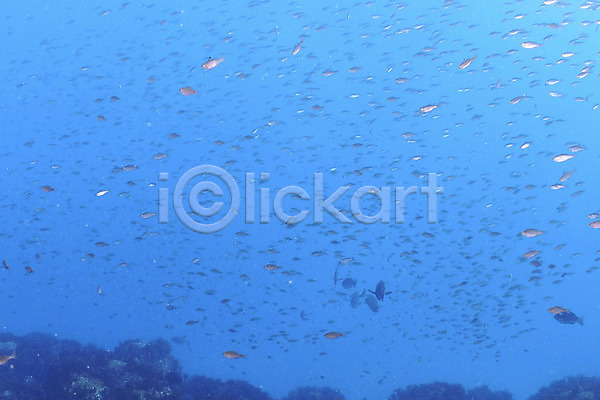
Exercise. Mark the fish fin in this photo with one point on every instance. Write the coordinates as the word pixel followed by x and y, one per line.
pixel 372 292
pixel 388 293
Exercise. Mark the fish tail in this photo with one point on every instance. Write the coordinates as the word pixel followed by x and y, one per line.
pixel 580 320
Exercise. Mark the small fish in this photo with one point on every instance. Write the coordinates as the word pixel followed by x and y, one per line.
pixel 348 283
pixel 595 224
pixel 213 62
pixel 272 267
pixel 232 355
pixel 562 157
pixel 187 91
pixel 335 276
pixel 297 47
pixel 355 298
pixel 428 108
pixel 531 253
pixel 345 260
pixel 557 310
pixel 333 335
pixel 5 265
pixel 180 340
pixel 516 100
pixel 566 175
pixel 530 45
pixel 466 62
pixel 372 303
pixel 380 291
pixel 567 317
pixel 531 233
pixel 5 359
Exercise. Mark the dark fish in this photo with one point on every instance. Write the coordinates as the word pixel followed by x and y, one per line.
pixel 372 303
pixel 349 283
pixel 303 316
pixel 568 317
pixel 355 299
pixel 180 340
pixel 335 276
pixel 380 291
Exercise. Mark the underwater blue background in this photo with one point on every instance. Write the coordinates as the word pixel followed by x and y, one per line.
pixel 465 305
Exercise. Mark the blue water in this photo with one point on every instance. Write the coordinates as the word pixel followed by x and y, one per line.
pixel 465 305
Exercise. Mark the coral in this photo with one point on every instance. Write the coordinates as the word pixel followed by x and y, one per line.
pixel 314 393
pixel 447 391
pixel 484 393
pixel 430 391
pixel 201 388
pixel 570 388
pixel 47 368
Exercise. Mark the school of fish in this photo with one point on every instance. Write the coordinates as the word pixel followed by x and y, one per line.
pixel 370 94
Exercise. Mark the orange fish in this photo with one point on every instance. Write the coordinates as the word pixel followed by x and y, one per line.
pixel 212 62
pixel 297 47
pixel 557 310
pixel 232 355
pixel 5 359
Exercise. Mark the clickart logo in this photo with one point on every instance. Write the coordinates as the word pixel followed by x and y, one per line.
pixel 201 217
